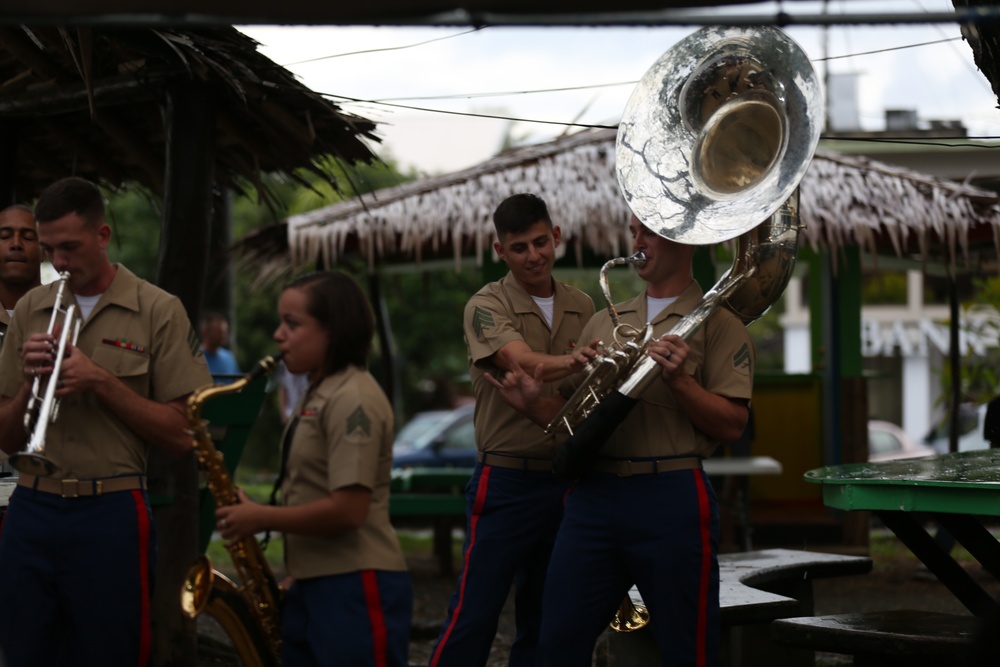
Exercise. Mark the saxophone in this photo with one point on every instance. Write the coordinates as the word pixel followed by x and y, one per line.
pixel 257 602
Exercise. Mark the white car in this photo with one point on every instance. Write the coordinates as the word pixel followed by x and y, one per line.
pixel 970 430
pixel 886 442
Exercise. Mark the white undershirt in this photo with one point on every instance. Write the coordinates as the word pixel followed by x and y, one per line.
pixel 545 304
pixel 655 306
pixel 10 312
pixel 86 304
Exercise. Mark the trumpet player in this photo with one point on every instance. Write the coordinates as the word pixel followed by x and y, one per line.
pixel 78 546
pixel 668 547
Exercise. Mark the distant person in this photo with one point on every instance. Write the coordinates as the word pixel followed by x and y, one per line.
pixel 350 599
pixel 291 388
pixel 20 260
pixel 214 331
pixel 513 501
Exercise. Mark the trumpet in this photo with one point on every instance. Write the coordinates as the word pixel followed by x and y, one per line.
pixel 43 406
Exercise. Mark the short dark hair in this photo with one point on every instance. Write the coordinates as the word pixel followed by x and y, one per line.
pixel 70 195
pixel 519 212
pixel 213 316
pixel 19 207
pixel 338 303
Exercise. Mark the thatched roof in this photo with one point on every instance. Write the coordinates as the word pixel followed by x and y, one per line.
pixel 844 200
pixel 91 101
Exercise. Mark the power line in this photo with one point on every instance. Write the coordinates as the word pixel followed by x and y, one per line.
pixel 380 50
pixel 887 50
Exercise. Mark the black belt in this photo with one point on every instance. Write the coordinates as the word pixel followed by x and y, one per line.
pixel 626 468
pixel 514 462
pixel 73 488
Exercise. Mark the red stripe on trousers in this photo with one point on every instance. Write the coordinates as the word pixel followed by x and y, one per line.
pixel 705 521
pixel 477 508
pixel 374 603
pixel 142 523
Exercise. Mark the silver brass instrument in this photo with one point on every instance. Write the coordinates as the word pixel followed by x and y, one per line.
pixel 43 406
pixel 711 146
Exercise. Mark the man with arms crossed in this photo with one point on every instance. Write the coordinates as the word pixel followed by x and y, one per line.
pixel 514 502
pixel 78 546
pixel 668 547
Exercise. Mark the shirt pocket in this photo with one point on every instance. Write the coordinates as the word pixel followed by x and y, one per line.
pixel 130 367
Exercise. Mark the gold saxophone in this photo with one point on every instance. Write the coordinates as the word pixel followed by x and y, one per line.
pixel 250 613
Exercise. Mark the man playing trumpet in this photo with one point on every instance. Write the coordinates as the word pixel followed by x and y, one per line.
pixel 79 544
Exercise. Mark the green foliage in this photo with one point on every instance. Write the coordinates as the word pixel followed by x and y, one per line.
pixel 425 311
pixel 885 287
pixel 980 375
pixel 134 217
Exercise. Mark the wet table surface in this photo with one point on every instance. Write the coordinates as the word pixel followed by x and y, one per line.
pixel 964 482
pixel 959 491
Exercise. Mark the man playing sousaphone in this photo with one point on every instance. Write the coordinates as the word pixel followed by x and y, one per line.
pixel 711 146
pixel 653 462
pixel 78 545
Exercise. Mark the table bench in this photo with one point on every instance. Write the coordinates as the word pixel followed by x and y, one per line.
pixel 903 638
pixel 735 509
pixel 755 588
pixel 432 496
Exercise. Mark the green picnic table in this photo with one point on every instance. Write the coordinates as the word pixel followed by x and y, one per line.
pixel 431 495
pixel 960 491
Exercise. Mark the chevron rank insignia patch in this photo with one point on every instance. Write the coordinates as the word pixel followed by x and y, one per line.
pixel 741 360
pixel 481 319
pixel 358 424
pixel 194 342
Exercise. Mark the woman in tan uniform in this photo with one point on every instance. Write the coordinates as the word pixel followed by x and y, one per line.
pixel 350 599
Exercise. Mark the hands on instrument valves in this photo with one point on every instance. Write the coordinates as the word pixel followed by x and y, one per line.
pixel 523 391
pixel 77 373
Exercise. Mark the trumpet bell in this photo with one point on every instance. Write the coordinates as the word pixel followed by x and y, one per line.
pixel 718 133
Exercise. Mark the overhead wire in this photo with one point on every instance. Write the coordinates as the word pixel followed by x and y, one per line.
pixel 393 102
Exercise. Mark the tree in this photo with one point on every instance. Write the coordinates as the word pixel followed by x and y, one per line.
pixel 984 39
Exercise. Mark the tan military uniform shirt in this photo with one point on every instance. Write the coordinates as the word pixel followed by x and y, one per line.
pixel 721 359
pixel 502 312
pixel 138 332
pixel 4 323
pixel 343 437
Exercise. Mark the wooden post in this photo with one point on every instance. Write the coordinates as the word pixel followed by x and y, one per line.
pixel 8 163
pixel 218 294
pixel 189 126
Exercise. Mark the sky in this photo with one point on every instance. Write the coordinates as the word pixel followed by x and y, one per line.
pixel 468 84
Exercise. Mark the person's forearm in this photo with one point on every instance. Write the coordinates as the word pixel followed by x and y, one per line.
pixel 321 517
pixel 554 367
pixel 164 425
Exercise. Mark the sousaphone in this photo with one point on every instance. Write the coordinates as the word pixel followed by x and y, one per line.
pixel 711 146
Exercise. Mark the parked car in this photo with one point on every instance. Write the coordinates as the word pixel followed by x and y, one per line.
pixel 437 439
pixel 886 441
pixel 970 430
